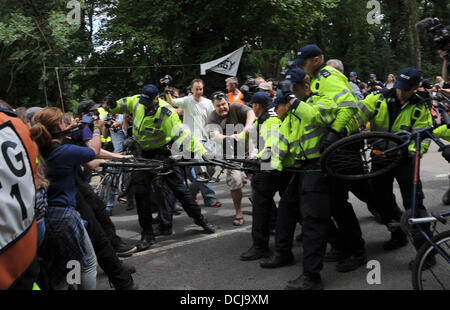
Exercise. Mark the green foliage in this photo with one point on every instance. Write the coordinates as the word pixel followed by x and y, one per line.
pixel 141 38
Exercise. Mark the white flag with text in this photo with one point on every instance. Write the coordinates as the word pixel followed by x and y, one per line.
pixel 227 65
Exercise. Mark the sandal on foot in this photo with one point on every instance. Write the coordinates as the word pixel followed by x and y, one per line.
pixel 122 200
pixel 238 221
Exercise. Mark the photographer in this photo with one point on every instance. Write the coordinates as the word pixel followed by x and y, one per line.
pixel 115 131
pixel 175 94
pixel 426 88
pixel 441 41
pixel 374 84
pixel 88 113
pixel 250 87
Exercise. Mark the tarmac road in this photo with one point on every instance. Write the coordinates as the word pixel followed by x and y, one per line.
pixel 191 260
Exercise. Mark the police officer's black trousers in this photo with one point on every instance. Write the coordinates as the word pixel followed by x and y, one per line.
pixel 346 233
pixel 387 207
pixel 287 216
pixel 307 195
pixel 265 185
pixel 149 187
pixel 347 237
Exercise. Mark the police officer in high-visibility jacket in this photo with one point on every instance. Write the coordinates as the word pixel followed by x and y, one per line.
pixel 307 194
pixel 267 182
pixel 330 82
pixel 442 132
pixel 399 109
pixel 157 129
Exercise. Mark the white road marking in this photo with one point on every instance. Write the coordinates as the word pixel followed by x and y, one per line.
pixel 124 218
pixel 442 175
pixel 189 242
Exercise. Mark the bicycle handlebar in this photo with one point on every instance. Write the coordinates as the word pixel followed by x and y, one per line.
pixel 160 165
pixel 252 162
pixel 130 165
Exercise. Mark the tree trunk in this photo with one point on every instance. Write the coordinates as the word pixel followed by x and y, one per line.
pixel 414 35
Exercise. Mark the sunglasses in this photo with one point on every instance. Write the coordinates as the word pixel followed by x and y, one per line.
pixel 219 95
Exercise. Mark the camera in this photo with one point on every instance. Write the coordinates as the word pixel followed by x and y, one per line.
pixel 289 67
pixel 249 89
pixel 441 34
pixel 287 88
pixel 89 118
pixel 166 80
pixel 109 121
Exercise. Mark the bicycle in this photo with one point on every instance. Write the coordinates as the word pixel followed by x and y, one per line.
pixel 355 157
pixel 114 175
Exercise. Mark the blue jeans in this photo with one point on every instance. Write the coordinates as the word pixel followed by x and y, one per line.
pixel 89 270
pixel 111 199
pixel 117 139
pixel 112 193
pixel 88 275
pixel 209 196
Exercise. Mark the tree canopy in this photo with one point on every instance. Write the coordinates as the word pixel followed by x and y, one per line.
pixel 121 45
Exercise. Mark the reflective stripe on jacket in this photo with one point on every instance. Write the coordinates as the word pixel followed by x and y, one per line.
pixel 300 134
pixel 411 117
pixel 157 129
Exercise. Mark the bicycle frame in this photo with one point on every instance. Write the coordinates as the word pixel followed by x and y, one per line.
pixel 419 137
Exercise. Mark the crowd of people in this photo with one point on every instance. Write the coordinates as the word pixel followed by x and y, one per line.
pixel 287 125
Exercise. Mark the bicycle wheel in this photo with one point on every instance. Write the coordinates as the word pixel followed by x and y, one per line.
pixel 363 156
pixel 123 183
pixel 105 191
pixel 101 184
pixel 430 276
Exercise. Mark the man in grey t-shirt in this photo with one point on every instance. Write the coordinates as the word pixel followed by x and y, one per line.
pixel 229 120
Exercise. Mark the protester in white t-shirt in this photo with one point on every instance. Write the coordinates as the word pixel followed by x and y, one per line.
pixel 196 111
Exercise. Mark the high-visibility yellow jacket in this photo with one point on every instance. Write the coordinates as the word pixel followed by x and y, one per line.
pixel 157 129
pixel 412 116
pixel 301 131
